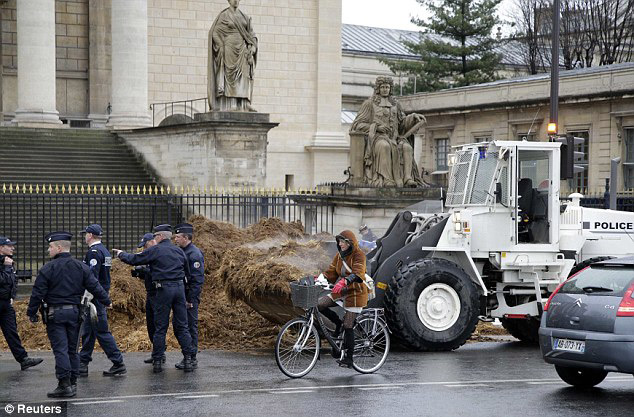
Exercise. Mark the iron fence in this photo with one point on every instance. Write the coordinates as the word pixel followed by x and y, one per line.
pixel 125 215
pixel 161 111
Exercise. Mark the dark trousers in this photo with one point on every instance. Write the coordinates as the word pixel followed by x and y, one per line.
pixel 149 315
pixel 9 328
pixel 63 332
pixel 171 297
pixel 192 324
pixel 101 333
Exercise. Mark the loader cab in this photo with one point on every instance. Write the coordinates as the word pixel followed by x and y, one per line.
pixel 534 192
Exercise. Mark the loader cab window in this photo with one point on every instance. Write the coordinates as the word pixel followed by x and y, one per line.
pixel 533 191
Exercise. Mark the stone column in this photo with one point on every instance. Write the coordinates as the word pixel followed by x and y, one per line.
pixel 36 64
pixel 129 65
pixel 99 73
pixel 329 146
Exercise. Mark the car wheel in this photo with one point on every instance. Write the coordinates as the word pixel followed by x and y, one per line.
pixel 580 378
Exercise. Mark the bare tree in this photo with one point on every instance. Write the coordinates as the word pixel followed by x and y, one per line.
pixel 526 20
pixel 587 27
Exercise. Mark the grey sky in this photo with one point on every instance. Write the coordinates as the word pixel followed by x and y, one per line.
pixel 393 14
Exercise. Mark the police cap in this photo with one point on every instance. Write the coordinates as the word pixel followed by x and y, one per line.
pixel 55 236
pixel 95 229
pixel 163 228
pixel 185 228
pixel 6 241
pixel 146 238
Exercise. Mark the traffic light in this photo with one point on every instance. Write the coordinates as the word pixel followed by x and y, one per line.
pixel 569 155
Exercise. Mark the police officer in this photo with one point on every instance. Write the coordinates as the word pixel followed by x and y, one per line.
pixel 170 270
pixel 99 260
pixel 183 238
pixel 8 290
pixel 143 272
pixel 60 285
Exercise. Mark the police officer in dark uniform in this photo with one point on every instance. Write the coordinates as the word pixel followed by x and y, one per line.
pixel 170 271
pixel 8 290
pixel 183 238
pixel 99 261
pixel 60 285
pixel 143 272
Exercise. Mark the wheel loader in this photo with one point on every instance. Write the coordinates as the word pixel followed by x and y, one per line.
pixel 502 244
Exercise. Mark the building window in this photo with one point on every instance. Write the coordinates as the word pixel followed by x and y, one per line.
pixel 482 137
pixel 579 183
pixel 442 154
pixel 628 165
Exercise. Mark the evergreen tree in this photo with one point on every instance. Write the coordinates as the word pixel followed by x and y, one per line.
pixel 456 46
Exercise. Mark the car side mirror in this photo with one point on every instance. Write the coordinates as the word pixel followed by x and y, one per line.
pixel 498 192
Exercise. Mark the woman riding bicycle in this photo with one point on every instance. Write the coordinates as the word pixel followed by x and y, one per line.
pixel 347 272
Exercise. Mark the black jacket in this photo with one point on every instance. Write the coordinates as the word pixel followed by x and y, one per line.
pixel 63 280
pixel 8 281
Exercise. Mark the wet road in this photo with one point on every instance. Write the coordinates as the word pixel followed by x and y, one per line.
pixel 480 379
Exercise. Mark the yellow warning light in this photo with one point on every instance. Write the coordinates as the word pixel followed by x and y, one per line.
pixel 552 128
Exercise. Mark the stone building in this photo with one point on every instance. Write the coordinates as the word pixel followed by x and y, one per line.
pixel 96 63
pixel 595 103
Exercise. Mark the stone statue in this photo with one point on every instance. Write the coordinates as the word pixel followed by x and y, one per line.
pixel 388 157
pixel 233 50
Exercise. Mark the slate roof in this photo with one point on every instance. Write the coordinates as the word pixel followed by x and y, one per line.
pixel 387 42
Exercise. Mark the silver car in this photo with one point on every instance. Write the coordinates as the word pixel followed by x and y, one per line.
pixel 587 328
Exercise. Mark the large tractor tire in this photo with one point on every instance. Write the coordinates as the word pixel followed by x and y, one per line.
pixel 526 330
pixel 432 305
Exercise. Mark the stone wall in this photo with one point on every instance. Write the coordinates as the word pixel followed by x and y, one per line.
pixel 205 154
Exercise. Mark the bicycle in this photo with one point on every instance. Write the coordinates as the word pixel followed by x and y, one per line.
pixel 298 343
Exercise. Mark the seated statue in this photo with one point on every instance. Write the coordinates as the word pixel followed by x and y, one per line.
pixel 389 156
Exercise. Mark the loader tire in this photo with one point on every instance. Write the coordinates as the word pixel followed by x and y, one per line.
pixel 587 263
pixel 432 305
pixel 526 330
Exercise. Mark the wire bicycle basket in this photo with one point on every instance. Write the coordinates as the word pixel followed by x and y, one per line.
pixel 305 296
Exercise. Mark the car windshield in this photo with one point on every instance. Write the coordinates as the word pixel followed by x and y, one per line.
pixel 600 280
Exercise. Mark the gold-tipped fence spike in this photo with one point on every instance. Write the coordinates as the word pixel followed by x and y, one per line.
pixel 30 188
pixel 81 190
pixel 37 188
pixel 11 187
pixel 4 187
pixel 125 189
pixel 167 189
pixel 56 189
pixel 63 189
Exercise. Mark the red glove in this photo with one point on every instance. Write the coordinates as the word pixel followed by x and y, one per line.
pixel 339 286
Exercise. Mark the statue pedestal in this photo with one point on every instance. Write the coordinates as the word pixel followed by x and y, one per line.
pixel 216 149
pixel 374 206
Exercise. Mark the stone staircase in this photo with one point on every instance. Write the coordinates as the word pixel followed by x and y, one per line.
pixel 69 156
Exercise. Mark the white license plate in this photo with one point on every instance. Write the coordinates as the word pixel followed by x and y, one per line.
pixel 569 345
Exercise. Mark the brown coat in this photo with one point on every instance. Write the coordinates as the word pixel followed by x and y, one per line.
pixel 356 294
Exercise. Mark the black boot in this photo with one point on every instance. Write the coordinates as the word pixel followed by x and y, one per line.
pixel 73 384
pixel 29 362
pixel 181 365
pixel 187 363
pixel 83 369
pixel 348 345
pixel 115 369
pixel 157 366
pixel 63 389
pixel 334 318
pixel 150 360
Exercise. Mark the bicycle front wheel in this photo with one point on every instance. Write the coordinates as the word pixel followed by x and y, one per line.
pixel 371 345
pixel 297 348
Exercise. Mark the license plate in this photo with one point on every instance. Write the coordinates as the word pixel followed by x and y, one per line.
pixel 569 345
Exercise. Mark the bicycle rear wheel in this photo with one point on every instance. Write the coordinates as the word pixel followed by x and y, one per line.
pixel 372 345
pixel 297 348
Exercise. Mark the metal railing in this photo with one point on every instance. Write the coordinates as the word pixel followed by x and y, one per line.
pixel 185 107
pixel 27 214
